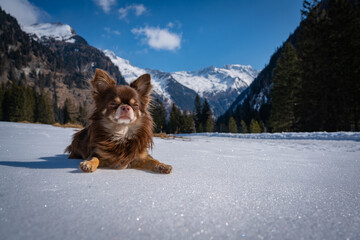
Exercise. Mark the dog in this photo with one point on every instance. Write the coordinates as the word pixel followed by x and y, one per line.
pixel 120 130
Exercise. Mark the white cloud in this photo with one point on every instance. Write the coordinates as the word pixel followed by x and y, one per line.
pixel 138 9
pixel 105 4
pixel 25 12
pixel 174 24
pixel 159 39
pixel 109 31
pixel 170 25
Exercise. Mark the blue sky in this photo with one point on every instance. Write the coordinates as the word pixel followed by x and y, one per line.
pixel 174 35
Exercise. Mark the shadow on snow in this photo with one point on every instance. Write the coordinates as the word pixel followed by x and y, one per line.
pixel 53 162
pixel 60 161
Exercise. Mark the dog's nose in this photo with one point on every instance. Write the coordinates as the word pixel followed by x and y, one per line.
pixel 125 108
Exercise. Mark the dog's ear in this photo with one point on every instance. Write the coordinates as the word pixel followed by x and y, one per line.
pixel 143 86
pixel 101 81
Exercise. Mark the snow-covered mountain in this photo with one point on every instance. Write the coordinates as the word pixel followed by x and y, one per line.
pixel 213 79
pixel 165 87
pixel 220 86
pixel 54 59
pixel 160 80
pixel 130 73
pixel 56 31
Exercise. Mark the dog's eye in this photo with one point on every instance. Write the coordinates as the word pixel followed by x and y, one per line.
pixel 135 105
pixel 113 104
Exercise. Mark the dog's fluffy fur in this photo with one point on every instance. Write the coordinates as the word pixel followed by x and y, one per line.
pixel 120 129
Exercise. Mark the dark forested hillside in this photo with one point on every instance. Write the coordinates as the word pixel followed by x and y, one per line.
pixel 329 49
pixel 312 82
pixel 58 69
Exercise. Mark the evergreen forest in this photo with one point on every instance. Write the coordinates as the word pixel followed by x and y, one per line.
pixel 311 83
pixel 313 78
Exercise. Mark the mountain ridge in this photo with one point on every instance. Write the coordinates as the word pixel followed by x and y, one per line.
pixel 59 68
pixel 219 86
pixel 73 62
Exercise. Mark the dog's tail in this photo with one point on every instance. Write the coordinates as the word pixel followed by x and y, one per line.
pixel 68 149
pixel 74 148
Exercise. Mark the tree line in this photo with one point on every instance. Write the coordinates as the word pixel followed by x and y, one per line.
pixel 183 121
pixel 199 120
pixel 21 103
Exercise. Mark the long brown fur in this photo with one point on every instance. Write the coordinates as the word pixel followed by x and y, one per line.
pixel 107 143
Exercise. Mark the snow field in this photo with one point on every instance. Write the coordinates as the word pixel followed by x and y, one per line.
pixel 220 188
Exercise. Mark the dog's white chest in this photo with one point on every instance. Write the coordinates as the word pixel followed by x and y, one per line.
pixel 121 133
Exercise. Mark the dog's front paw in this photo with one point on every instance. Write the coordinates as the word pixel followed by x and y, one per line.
pixel 87 166
pixel 163 168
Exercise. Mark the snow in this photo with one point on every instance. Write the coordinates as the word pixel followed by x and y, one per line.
pixel 213 79
pixel 72 40
pixel 347 136
pixel 57 31
pixel 128 71
pixel 221 188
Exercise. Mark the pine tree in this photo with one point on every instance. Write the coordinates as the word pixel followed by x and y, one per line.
pixel 2 94
pixel 29 104
pixel 254 126
pixel 210 124
pixel 207 122
pixel 244 128
pixel 5 102
pixel 205 113
pixel 14 103
pixel 44 112
pixel 188 122
pixel 285 90
pixel 158 114
pixel 58 111
pixel 262 127
pixel 232 125
pixel 70 112
pixel 201 128
pixel 175 119
pixel 83 114
pixel 197 116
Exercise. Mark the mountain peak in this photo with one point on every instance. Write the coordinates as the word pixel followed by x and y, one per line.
pixel 207 70
pixel 219 85
pixel 57 31
pixel 128 71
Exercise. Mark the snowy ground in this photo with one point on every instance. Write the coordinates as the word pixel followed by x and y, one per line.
pixel 220 188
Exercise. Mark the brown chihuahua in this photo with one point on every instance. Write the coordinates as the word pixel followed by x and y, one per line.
pixel 120 129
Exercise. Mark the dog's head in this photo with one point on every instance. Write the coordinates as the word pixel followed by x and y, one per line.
pixel 121 105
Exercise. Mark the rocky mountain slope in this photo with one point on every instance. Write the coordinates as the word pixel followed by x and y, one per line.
pixel 51 57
